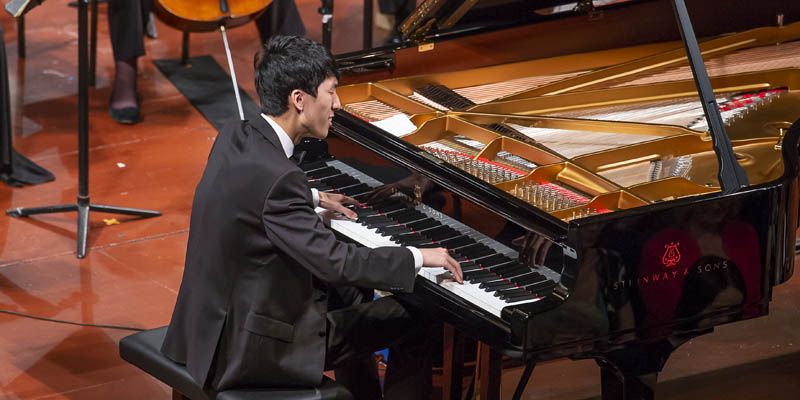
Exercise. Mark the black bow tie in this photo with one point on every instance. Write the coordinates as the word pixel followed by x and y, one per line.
pixel 298 157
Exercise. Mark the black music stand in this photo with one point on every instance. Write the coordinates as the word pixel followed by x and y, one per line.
pixel 83 205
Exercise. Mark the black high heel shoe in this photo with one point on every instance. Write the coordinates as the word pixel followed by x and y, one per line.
pixel 125 116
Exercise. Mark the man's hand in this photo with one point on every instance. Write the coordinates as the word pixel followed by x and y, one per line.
pixel 336 202
pixel 440 258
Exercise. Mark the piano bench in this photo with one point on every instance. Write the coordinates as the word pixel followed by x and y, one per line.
pixel 143 350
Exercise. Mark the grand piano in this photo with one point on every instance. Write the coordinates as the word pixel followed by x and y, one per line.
pixel 570 158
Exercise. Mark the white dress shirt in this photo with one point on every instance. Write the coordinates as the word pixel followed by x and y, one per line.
pixel 288 149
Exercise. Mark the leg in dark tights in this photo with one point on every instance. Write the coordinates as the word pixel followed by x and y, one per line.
pixel 126 23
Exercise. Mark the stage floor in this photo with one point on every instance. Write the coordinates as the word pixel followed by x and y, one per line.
pixel 132 272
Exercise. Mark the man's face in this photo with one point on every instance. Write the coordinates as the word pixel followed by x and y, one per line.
pixel 318 111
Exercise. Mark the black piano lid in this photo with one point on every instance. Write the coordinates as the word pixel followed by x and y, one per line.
pixel 438 17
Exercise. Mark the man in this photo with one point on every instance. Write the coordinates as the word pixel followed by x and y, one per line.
pixel 264 299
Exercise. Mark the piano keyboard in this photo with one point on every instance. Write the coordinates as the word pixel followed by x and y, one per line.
pixel 493 278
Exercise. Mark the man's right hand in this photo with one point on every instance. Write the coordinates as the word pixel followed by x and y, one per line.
pixel 440 258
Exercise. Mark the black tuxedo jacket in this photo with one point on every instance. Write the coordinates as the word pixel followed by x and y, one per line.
pixel 253 297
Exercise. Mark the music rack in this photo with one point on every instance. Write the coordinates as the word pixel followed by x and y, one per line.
pixel 83 204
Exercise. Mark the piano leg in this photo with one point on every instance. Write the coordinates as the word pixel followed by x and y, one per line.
pixel 489 370
pixel 619 386
pixel 453 363
pixel 632 373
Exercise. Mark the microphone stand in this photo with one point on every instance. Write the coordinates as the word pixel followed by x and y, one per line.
pixel 83 206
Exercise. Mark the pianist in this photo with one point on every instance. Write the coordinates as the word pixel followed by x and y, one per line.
pixel 269 297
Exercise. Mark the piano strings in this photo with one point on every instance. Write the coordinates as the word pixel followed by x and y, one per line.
pixel 481 168
pixel 761 58
pixel 548 196
pixel 686 112
pixel 372 110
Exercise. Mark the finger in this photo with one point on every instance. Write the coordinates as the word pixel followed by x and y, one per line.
pixel 349 200
pixel 345 211
pixel 455 269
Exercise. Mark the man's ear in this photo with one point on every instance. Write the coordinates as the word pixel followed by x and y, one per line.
pixel 297 99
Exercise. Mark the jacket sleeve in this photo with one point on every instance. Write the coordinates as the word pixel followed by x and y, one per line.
pixel 295 229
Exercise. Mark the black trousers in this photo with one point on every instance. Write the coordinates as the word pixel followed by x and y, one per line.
pixel 289 21
pixel 357 327
pixel 126 23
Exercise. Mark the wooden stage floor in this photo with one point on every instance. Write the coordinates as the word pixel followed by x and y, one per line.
pixel 133 270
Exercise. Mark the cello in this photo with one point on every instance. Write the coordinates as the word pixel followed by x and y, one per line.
pixel 209 15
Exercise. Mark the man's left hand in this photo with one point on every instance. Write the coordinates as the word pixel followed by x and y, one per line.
pixel 337 202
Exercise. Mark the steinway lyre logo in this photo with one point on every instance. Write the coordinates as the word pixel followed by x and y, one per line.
pixel 671 255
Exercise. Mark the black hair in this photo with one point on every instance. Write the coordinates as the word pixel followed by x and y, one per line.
pixel 286 63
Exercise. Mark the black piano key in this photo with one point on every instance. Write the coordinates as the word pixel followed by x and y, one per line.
pixel 442 233
pixel 324 172
pixel 407 240
pixel 407 236
pixel 353 191
pixel 504 294
pixel 471 268
pixel 513 272
pixel 522 297
pixel 419 243
pixel 373 219
pixel 364 211
pixel 394 229
pixel 526 279
pixel 388 205
pixel 360 197
pixel 378 205
pixel 409 217
pixel 459 258
pixel 457 242
pixel 475 251
pixel 497 285
pixel 423 224
pixel 376 218
pixel 310 166
pixel 493 260
pixel 512 268
pixel 338 178
pixel 541 286
pixel 477 273
pixel 381 225
pixel 340 184
pixel 482 279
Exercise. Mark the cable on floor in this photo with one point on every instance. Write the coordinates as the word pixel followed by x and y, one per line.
pixel 61 321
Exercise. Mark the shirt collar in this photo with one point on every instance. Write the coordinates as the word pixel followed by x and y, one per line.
pixel 286 141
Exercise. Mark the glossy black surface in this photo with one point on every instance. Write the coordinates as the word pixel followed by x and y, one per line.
pixel 667 269
pixel 633 284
